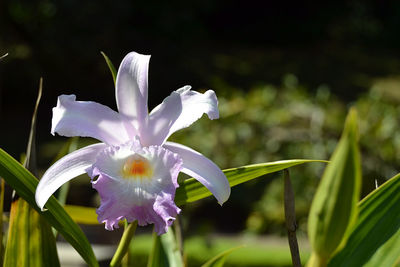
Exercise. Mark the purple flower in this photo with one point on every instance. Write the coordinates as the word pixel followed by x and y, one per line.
pixel 134 169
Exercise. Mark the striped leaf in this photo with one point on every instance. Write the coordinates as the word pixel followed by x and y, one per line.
pixel 376 235
pixel 30 240
pixel 191 190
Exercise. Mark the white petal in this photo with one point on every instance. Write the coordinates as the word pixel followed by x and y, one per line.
pixel 86 118
pixel 131 87
pixel 65 169
pixel 161 119
pixel 171 116
pixel 203 170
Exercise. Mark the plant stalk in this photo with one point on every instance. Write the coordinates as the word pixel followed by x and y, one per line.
pixel 290 218
pixel 123 246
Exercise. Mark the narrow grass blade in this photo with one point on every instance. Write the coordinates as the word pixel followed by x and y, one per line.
pixel 110 66
pixel 191 190
pixel 30 240
pixel 24 183
pixel 30 160
pixel 219 260
pixel 375 237
pixel 334 208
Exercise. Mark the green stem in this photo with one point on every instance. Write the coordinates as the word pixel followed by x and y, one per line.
pixel 123 246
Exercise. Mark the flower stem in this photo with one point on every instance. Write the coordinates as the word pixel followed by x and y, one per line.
pixel 123 246
pixel 290 217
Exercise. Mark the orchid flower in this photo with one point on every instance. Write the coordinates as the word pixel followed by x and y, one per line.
pixel 134 169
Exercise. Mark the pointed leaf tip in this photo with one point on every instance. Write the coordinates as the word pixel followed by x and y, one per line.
pixel 110 66
pixel 334 208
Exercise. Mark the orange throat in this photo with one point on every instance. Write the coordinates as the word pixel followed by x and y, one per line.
pixel 136 167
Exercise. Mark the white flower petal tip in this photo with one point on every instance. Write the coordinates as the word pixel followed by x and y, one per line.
pixel 136 183
pixel 177 111
pixel 65 169
pixel 206 103
pixel 131 87
pixel 86 118
pixel 194 105
pixel 203 170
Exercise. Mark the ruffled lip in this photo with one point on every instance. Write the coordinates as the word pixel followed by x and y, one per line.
pixel 148 200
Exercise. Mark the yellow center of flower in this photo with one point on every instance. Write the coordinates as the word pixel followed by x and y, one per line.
pixel 136 167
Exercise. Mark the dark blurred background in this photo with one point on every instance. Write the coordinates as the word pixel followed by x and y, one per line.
pixel 285 73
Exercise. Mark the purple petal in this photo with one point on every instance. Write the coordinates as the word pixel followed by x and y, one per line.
pixel 65 169
pixel 86 118
pixel 171 116
pixel 131 88
pixel 203 170
pixel 147 198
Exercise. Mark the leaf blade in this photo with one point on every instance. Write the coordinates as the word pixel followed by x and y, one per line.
pixel 378 221
pixel 191 190
pixel 110 66
pixel 334 207
pixel 219 260
pixel 24 183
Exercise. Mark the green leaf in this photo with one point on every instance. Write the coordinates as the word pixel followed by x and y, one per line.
pixel 388 254
pixel 334 208
pixel 24 183
pixel 1 219
pixel 110 66
pixel 82 215
pixel 219 260
pixel 30 239
pixel 165 251
pixel 377 227
pixel 158 256
pixel 191 190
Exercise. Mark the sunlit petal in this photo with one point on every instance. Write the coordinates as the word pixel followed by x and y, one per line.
pixel 203 170
pixel 136 183
pixel 171 116
pixel 131 88
pixel 86 118
pixel 161 120
pixel 65 169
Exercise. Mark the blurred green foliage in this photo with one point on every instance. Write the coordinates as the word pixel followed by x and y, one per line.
pixel 255 252
pixel 284 122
